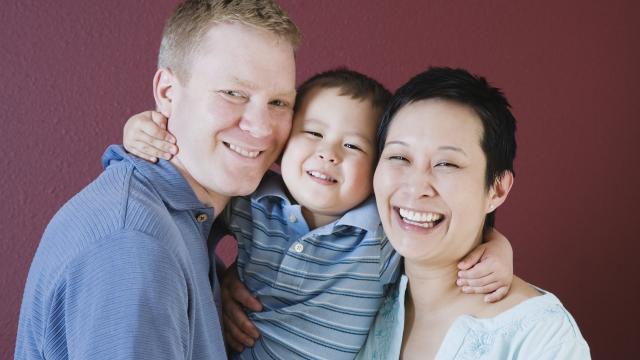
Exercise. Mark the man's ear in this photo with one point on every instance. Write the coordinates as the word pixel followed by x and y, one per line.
pixel 500 190
pixel 164 83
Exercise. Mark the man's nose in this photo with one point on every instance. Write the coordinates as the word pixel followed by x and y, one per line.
pixel 257 121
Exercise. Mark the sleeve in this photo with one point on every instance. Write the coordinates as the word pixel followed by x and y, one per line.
pixel 126 298
pixel 556 336
pixel 573 349
pixel 390 260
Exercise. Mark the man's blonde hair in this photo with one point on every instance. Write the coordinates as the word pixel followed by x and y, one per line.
pixel 193 18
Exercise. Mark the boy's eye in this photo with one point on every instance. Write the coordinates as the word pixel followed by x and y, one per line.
pixel 351 146
pixel 279 103
pixel 313 133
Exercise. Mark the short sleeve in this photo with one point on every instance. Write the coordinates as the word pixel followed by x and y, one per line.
pixel 125 298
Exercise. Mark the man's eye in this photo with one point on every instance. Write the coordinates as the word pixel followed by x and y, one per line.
pixel 351 146
pixel 313 133
pixel 232 93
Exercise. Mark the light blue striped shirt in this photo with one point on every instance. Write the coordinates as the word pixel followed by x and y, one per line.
pixel 539 328
pixel 122 272
pixel 320 289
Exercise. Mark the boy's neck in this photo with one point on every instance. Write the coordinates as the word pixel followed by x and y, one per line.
pixel 315 220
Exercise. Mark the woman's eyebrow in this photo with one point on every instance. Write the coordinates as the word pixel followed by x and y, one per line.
pixel 452 148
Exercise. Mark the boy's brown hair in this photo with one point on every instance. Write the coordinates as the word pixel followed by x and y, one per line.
pixel 350 83
pixel 193 18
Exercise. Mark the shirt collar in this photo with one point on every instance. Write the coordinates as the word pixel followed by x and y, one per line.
pixel 271 186
pixel 364 216
pixel 166 180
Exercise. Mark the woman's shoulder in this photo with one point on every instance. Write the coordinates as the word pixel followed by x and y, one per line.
pixel 538 325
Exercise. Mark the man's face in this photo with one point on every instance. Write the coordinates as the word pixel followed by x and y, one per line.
pixel 232 117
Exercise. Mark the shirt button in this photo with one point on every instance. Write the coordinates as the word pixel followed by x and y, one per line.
pixel 292 218
pixel 202 217
pixel 298 247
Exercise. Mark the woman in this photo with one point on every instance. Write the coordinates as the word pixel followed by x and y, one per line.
pixel 447 144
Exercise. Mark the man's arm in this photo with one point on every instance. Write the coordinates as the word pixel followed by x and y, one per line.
pixel 126 298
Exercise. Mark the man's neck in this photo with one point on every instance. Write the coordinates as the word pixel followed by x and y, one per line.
pixel 208 198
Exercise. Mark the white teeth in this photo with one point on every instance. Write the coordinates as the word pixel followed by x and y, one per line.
pixel 419 218
pixel 244 152
pixel 320 175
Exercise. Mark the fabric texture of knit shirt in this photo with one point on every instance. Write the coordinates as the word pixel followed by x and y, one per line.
pixel 539 328
pixel 320 289
pixel 123 272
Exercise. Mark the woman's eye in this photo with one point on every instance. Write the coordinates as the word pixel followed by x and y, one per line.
pixel 446 164
pixel 351 146
pixel 397 157
pixel 313 133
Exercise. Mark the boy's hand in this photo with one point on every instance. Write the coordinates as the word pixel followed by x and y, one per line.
pixel 145 135
pixel 488 269
pixel 239 331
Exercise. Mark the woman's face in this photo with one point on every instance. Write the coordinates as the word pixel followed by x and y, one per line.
pixel 430 181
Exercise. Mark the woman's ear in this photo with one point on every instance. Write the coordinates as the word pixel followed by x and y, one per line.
pixel 500 190
pixel 164 82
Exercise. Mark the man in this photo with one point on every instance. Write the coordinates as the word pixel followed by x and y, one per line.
pixel 122 270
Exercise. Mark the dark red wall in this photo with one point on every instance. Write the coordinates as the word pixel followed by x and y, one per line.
pixel 73 71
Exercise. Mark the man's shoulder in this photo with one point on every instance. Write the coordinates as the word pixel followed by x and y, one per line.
pixel 105 207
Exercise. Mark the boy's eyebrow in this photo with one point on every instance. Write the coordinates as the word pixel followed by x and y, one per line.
pixel 253 86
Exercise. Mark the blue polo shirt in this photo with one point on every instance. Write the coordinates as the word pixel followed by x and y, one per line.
pixel 123 272
pixel 320 289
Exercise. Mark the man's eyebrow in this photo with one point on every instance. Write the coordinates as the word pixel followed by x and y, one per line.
pixel 251 85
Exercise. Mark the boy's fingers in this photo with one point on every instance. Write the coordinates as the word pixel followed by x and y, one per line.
pixel 478 282
pixel 478 271
pixel 472 258
pixel 161 122
pixel 162 145
pixel 150 150
pixel 144 156
pixel 481 289
pixel 497 295
pixel 159 119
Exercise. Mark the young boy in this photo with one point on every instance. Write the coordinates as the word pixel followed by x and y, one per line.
pixel 310 244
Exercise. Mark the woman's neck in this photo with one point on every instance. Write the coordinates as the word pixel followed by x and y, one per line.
pixel 431 287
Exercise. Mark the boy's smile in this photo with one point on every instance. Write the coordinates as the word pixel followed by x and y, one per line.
pixel 328 162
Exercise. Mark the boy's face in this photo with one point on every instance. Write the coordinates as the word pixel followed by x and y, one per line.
pixel 328 162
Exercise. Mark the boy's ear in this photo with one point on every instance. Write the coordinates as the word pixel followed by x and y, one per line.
pixel 164 82
pixel 500 190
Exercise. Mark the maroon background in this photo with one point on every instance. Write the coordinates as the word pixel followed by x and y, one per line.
pixel 73 71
